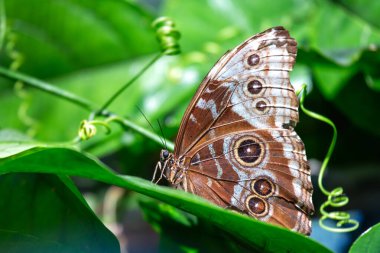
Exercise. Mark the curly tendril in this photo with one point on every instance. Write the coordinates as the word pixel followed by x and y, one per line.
pixel 336 197
pixel 17 59
pixel 167 35
pixel 87 128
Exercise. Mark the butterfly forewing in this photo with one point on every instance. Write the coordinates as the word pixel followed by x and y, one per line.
pixel 266 55
pixel 237 146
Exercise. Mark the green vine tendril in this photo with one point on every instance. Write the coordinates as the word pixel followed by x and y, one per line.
pixel 17 59
pixel 167 35
pixel 336 197
pixel 87 128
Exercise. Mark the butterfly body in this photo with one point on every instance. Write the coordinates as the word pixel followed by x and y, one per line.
pixel 236 146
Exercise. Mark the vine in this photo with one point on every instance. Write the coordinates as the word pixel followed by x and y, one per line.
pixel 17 59
pixel 167 35
pixel 336 197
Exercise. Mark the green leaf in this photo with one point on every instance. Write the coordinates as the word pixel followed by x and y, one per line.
pixel 368 242
pixel 354 35
pixel 14 142
pixel 182 232
pixel 332 79
pixel 267 238
pixel 57 37
pixel 367 10
pixel 314 24
pixel 41 213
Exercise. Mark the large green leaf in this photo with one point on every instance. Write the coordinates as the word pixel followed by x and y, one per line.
pixel 45 213
pixel 57 37
pixel 258 235
pixel 368 242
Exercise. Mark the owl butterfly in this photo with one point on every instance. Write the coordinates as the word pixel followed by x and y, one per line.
pixel 236 145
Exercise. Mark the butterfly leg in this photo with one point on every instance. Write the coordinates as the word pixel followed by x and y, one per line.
pixel 162 168
pixel 158 167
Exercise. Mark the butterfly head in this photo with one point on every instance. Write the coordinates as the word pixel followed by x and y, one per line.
pixel 164 155
pixel 169 169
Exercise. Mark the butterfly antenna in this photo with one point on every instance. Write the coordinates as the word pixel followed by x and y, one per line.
pixel 163 135
pixel 154 130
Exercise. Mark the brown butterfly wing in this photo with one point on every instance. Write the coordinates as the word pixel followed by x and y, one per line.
pixel 233 69
pixel 271 182
pixel 237 142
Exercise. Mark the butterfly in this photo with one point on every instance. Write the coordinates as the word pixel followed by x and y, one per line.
pixel 236 144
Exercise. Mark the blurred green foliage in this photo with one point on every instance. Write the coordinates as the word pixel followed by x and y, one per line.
pixel 91 48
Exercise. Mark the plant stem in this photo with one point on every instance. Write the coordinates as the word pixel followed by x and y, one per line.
pixel 109 101
pixel 46 87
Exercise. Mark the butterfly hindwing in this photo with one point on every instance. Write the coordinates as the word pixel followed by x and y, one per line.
pixel 267 165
